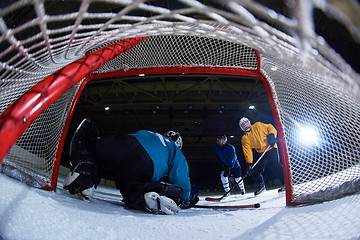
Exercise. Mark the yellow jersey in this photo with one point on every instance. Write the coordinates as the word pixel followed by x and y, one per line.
pixel 256 138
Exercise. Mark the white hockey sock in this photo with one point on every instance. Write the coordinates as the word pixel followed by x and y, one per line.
pixel 241 184
pixel 225 182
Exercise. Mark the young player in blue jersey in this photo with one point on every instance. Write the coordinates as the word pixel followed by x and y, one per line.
pixel 226 154
pixel 136 163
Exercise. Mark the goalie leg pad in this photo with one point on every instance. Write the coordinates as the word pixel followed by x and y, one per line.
pixel 83 144
pixel 86 135
pixel 160 204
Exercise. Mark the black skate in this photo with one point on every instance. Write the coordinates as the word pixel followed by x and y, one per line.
pixel 282 189
pixel 257 192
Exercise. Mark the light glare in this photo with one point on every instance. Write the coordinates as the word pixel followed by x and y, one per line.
pixel 308 135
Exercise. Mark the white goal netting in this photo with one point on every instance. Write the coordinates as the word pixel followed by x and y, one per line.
pixel 311 86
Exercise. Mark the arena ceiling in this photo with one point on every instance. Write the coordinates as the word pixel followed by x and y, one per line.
pixel 198 106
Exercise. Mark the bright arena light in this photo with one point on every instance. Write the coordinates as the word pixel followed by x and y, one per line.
pixel 308 135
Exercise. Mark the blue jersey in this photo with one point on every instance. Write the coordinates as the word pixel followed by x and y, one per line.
pixel 228 156
pixel 168 160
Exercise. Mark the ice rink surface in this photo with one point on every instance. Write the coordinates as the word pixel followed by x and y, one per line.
pixel 30 213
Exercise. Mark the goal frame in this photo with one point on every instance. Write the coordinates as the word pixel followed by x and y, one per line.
pixel 27 108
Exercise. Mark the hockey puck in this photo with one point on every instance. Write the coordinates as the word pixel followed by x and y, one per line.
pixel 256 205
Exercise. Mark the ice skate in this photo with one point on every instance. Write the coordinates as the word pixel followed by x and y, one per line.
pixel 282 189
pixel 262 189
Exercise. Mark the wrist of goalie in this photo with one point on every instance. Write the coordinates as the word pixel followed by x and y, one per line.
pixel 194 200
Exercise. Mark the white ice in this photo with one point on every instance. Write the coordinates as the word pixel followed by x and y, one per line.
pixel 30 213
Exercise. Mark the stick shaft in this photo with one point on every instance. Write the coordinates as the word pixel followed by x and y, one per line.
pixel 256 205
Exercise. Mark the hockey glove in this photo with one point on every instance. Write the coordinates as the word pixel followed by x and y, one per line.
pixel 193 200
pixel 271 139
pixel 249 169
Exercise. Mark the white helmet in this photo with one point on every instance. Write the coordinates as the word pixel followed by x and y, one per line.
pixel 245 124
pixel 175 136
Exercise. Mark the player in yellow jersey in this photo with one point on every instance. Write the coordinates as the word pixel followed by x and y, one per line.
pixel 257 137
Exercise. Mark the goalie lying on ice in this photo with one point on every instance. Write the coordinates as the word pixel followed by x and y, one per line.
pixel 136 162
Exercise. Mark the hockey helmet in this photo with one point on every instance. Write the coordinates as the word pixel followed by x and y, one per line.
pixel 175 136
pixel 219 138
pixel 245 124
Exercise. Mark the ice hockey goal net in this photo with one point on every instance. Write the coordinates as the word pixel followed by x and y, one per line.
pixel 50 49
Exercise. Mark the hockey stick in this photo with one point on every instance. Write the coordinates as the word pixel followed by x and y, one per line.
pixel 242 178
pixel 228 207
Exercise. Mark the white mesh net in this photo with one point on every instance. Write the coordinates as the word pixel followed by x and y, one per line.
pixel 311 84
pixel 35 151
pixel 183 51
